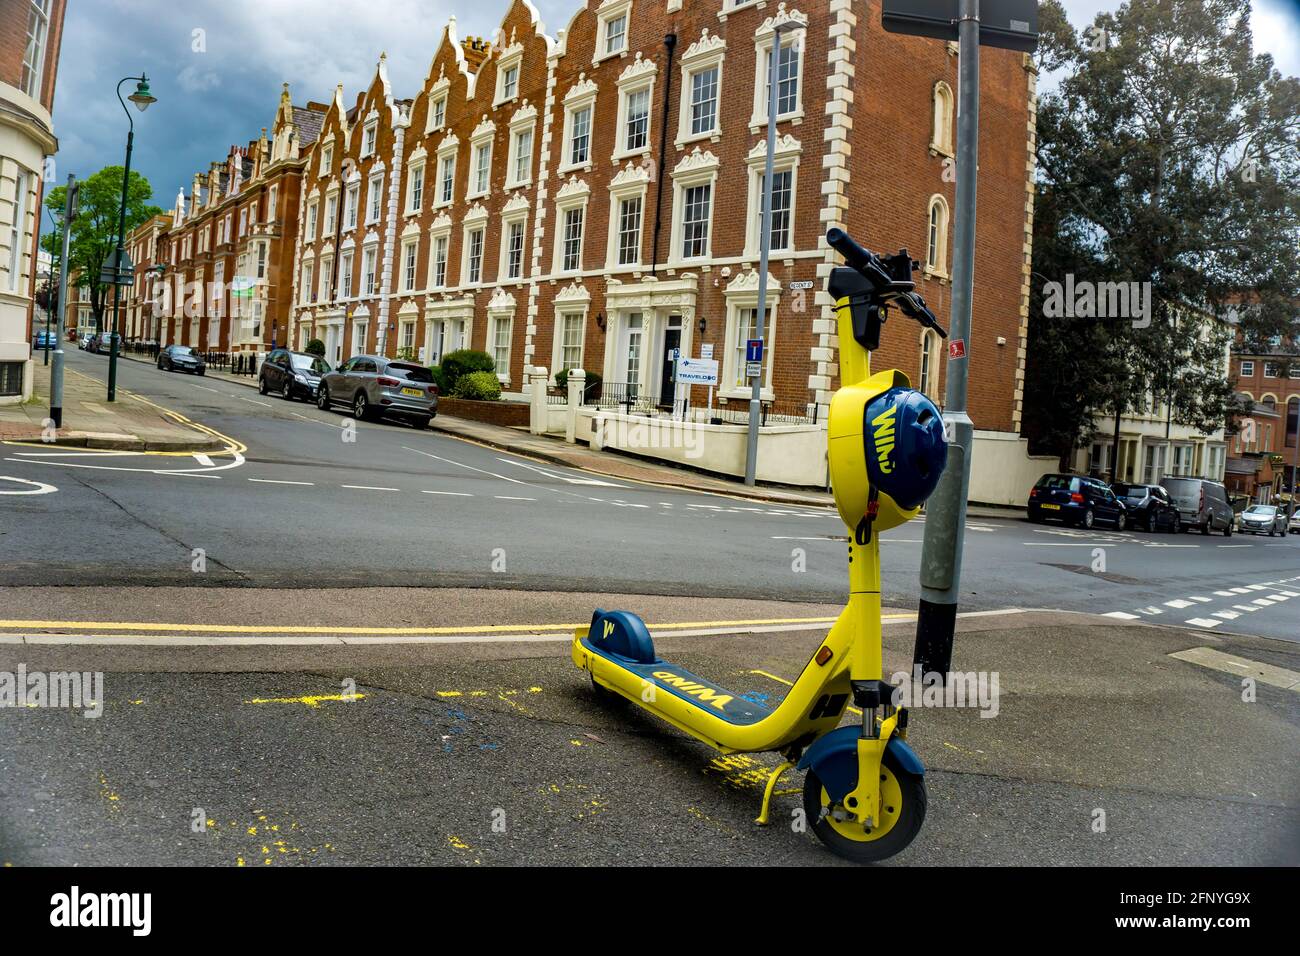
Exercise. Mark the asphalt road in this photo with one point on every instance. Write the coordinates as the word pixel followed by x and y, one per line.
pixel 319 501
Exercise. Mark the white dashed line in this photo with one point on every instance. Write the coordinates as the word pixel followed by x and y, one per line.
pixel 273 481
pixel 252 402
pixel 368 488
pixel 1203 622
pixel 511 498
pixel 1178 603
pixel 454 494
pixel 1122 615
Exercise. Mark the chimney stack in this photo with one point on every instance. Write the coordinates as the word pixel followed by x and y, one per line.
pixel 476 51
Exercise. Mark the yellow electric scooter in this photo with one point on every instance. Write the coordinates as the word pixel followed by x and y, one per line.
pixel 864 791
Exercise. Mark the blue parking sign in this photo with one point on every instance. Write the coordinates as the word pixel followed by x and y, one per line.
pixel 754 350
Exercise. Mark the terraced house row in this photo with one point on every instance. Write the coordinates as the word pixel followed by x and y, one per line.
pixel 592 199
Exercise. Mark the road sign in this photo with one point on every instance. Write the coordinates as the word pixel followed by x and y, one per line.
pixel 706 350
pixel 115 271
pixel 697 371
pixel 802 284
pixel 1009 24
pixel 753 369
pixel 754 350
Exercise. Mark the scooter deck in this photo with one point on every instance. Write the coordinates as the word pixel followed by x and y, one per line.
pixel 704 694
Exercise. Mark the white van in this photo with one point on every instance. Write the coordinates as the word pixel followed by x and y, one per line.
pixel 1202 504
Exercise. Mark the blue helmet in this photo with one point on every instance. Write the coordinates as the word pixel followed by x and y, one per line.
pixel 905 448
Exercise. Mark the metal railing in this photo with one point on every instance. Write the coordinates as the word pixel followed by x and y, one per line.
pixel 772 413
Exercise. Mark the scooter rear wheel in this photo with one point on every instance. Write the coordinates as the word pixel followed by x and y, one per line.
pixel 902 814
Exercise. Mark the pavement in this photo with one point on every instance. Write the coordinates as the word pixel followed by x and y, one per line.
pixel 1102 746
pixel 132 423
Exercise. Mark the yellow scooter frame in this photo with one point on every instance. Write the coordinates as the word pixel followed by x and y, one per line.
pixel 849 763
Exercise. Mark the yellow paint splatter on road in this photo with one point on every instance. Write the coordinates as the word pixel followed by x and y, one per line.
pixel 310 700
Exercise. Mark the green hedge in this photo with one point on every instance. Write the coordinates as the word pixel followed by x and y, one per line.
pixel 464 362
pixel 440 379
pixel 590 390
pixel 315 347
pixel 478 386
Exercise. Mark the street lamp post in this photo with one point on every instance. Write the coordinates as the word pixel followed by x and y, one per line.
pixel 142 99
pixel 765 247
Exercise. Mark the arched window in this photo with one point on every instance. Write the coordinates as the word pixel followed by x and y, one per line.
pixel 936 246
pixel 1292 421
pixel 941 131
pixel 928 380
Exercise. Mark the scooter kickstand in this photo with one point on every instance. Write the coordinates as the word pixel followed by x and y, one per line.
pixel 767 792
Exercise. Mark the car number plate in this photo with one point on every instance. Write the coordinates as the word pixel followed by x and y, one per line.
pixel 417 393
pixel 1052 507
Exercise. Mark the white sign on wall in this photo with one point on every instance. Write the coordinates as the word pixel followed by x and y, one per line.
pixel 697 371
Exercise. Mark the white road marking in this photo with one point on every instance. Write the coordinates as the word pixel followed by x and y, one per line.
pixel 555 474
pixel 1198 598
pixel 368 488
pixel 512 498
pixel 1223 593
pixel 218 391
pixel 1151 611
pixel 454 494
pixel 273 481
pixel 1263 602
pixel 1227 615
pixel 1203 622
pixel 514 481
pixel 33 487
pixel 1178 603
pixel 1122 615
pixel 1245 607
pixel 203 460
pixel 1238 666
pixel 1240 590
pixel 255 402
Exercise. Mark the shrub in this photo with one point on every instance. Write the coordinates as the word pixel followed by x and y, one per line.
pixel 440 379
pixel 591 389
pixel 478 386
pixel 315 347
pixel 463 362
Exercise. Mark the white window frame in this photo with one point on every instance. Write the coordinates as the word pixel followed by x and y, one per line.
pixel 410 263
pixel 697 168
pixel 331 213
pixel 313 219
pixel 581 96
pixel 438 101
pixel 1247 368
pixel 943 119
pixel 35 40
pixel 415 185
pixel 369 138
pixel 741 295
pixel 499 315
pixel 639 77
pixel 351 202
pixel 633 182
pixel 1272 370
pixel 439 248
pixel 374 198
pixel 786 159
pixel 764 41
pixel 575 194
pixel 343 281
pixel 707 53
pixel 480 160
pixel 565 310
pixel 446 152
pixel 937 265
pixel 18 231
pixel 475 221
pixel 307 287
pixel 607 14
pixel 272 204
pixel 514 214
pixel 524 122
pixel 326 160
pixel 369 270
pixel 511 58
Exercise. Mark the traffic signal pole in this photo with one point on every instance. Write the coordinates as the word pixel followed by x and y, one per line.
pixel 56 370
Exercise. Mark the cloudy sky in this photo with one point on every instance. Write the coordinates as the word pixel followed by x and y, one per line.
pixel 216 66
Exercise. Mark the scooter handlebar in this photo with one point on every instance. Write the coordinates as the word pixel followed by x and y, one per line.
pixel 889 288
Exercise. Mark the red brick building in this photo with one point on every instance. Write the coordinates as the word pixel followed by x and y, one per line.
pixel 1267 443
pixel 30 34
pixel 591 199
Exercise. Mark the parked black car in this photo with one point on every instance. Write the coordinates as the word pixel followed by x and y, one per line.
pixel 292 374
pixel 1076 501
pixel 181 358
pixel 1149 507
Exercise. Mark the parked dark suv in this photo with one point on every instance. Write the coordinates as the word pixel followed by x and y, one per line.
pixel 1076 501
pixel 292 374
pixel 180 358
pixel 1149 507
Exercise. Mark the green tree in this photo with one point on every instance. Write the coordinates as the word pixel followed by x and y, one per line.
pixel 1167 155
pixel 94 231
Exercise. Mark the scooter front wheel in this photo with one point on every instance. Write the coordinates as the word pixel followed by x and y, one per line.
pixel 903 804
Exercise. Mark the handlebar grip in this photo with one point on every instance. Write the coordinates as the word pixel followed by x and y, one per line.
pixel 853 254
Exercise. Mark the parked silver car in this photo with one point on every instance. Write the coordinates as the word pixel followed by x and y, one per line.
pixel 1264 519
pixel 1202 504
pixel 372 386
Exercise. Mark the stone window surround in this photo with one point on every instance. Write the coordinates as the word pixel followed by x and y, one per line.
pixel 788 153
pixel 574 194
pixel 764 40
pixel 639 75
pixel 742 293
pixel 705 53
pixel 631 182
pixel 697 168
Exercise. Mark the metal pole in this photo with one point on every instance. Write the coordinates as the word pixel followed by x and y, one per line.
pixel 56 370
pixel 945 522
pixel 765 248
pixel 117 265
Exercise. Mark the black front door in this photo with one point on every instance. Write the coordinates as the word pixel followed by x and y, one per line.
pixel 672 341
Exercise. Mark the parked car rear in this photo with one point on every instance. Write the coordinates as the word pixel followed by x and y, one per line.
pixel 373 385
pixel 1149 507
pixel 1075 500
pixel 292 374
pixel 1202 504
pixel 181 358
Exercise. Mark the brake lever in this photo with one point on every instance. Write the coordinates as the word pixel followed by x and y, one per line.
pixel 916 308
